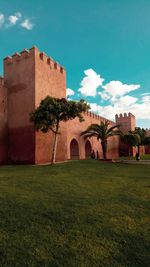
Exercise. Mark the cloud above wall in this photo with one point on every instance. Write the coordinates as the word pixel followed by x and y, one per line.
pixel 117 88
pixel 27 25
pixel 2 19
pixel 69 92
pixel 114 96
pixel 140 110
pixel 90 83
pixel 15 19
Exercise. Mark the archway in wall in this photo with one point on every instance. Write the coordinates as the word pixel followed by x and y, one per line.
pixel 88 149
pixel 74 149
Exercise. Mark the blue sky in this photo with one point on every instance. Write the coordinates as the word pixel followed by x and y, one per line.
pixel 103 44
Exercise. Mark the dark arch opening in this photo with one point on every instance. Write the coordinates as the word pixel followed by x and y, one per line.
pixel 74 149
pixel 88 149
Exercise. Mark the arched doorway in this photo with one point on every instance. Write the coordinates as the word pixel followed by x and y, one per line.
pixel 88 149
pixel 74 149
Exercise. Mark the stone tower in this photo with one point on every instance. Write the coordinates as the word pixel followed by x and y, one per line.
pixel 127 122
pixel 29 77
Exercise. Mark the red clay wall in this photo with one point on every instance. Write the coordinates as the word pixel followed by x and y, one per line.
pixel 127 123
pixel 147 148
pixel 19 78
pixel 74 128
pixel 50 79
pixel 3 123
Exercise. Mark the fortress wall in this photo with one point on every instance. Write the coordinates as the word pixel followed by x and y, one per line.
pixel 19 78
pixel 74 128
pixel 3 123
pixel 127 122
pixel 147 132
pixel 147 148
pixel 50 79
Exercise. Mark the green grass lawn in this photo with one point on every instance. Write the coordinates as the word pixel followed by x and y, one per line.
pixel 81 213
pixel 142 157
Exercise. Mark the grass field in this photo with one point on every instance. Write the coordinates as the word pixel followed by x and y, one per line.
pixel 142 157
pixel 81 213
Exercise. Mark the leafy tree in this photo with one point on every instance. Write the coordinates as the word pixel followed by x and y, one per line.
pixel 142 134
pixel 147 141
pixel 101 132
pixel 131 139
pixel 144 140
pixel 52 111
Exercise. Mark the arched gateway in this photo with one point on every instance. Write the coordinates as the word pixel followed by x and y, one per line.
pixel 88 149
pixel 74 149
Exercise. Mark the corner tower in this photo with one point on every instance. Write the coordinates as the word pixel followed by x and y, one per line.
pixel 29 77
pixel 127 122
pixel 3 123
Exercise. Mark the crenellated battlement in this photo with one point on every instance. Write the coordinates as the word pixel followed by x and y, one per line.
pixel 97 117
pixel 147 131
pixel 1 81
pixel 126 121
pixel 125 115
pixel 25 54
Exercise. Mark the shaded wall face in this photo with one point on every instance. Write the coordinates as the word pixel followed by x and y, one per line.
pixel 126 124
pixel 50 79
pixel 19 78
pixel 74 128
pixel 3 124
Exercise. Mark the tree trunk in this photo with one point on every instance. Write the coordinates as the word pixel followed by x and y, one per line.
pixel 104 148
pixel 55 144
pixel 138 149
pixel 129 151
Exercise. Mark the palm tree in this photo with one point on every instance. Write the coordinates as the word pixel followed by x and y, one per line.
pixel 101 132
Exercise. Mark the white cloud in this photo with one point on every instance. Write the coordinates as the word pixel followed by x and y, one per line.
pixel 2 19
pixel 117 88
pixel 90 83
pixel 13 20
pixel 69 92
pixel 27 25
pixel 146 98
pixel 104 95
pixel 125 100
pixel 125 104
pixel 145 94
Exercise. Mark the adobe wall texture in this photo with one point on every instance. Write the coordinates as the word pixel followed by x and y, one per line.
pixel 75 128
pixel 50 79
pixel 19 78
pixel 127 123
pixel 3 123
pixel 147 148
pixel 147 131
pixel 30 76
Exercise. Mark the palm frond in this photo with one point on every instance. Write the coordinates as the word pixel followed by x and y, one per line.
pixel 112 128
pixel 90 135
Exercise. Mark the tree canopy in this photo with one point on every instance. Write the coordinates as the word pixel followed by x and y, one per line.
pixel 52 111
pixel 130 139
